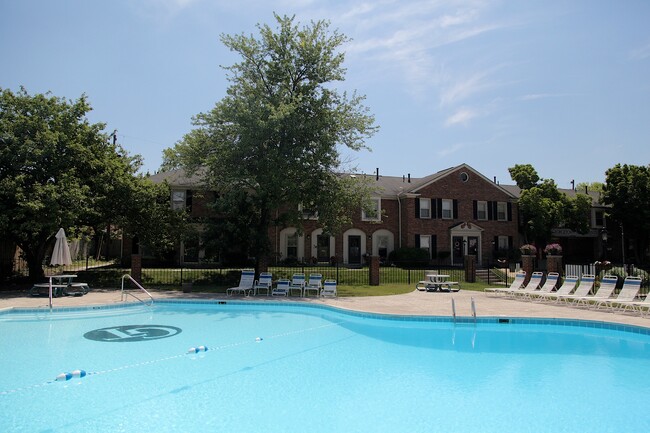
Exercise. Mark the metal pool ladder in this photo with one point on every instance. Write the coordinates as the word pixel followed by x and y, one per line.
pixel 125 294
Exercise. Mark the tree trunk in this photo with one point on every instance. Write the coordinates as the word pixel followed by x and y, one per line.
pixel 35 263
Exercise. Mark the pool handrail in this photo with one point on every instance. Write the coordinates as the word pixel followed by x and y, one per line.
pixel 124 295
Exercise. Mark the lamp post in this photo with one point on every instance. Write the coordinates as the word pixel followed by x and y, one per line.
pixel 603 237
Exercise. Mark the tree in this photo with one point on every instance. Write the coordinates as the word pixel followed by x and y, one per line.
pixel 59 170
pixel 543 207
pixel 627 191
pixel 524 175
pixel 270 145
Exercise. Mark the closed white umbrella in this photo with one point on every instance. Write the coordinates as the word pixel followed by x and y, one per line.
pixel 61 253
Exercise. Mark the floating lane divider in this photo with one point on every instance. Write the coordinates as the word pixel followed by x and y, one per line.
pixel 67 376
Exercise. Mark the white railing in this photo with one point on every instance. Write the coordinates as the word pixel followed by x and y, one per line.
pixel 124 294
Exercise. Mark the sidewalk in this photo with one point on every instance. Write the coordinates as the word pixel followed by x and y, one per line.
pixel 413 303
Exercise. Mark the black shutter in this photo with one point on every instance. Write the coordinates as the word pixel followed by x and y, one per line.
pixel 439 207
pixel 496 243
pixel 454 214
pixel 434 208
pixel 188 200
pixel 434 246
pixel 417 241
pixel 510 244
pixel 417 208
pixel 509 211
pixel 490 216
pixel 475 209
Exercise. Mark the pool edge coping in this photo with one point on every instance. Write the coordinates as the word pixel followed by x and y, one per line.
pixel 460 320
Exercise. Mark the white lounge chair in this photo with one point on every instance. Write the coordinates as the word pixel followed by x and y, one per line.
pixel 547 287
pixel 329 288
pixel 605 290
pixel 568 285
pixel 516 284
pixel 281 288
pixel 585 286
pixel 245 283
pixel 533 284
pixel 626 296
pixel 297 283
pixel 314 284
pixel 264 284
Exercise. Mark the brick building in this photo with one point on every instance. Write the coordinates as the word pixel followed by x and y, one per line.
pixel 451 213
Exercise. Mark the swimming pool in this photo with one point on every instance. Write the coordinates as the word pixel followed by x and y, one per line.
pixel 276 367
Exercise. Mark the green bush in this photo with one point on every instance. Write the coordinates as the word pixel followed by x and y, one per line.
pixel 409 257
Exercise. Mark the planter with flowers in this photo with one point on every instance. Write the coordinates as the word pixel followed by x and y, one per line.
pixel 553 258
pixel 553 250
pixel 528 250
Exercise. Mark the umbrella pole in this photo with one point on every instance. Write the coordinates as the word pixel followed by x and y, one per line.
pixel 50 293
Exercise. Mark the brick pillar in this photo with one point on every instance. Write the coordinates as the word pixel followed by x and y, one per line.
pixel 527 265
pixel 374 270
pixel 554 264
pixel 470 269
pixel 136 267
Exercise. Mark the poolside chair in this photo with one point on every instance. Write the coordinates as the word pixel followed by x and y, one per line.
pixel 533 284
pixel 297 283
pixel 549 285
pixel 516 284
pixel 605 290
pixel 314 284
pixel 566 288
pixel 245 283
pixel 329 288
pixel 263 284
pixel 281 288
pixel 585 286
pixel 627 295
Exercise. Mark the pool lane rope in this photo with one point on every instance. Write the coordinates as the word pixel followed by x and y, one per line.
pixel 79 374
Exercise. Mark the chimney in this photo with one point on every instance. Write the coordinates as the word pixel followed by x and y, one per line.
pixel 409 178
pixel 377 178
pixel 495 179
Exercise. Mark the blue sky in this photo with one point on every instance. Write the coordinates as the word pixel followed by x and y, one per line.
pixel 563 85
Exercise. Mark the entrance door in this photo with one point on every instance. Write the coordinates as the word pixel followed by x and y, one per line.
pixel 354 250
pixel 457 244
pixel 323 248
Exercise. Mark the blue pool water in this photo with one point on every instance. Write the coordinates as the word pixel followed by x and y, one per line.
pixel 280 368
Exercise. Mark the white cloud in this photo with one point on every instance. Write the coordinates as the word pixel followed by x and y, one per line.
pixel 450 150
pixel 462 116
pixel 640 53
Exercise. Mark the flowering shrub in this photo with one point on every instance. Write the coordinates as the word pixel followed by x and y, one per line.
pixel 528 249
pixel 553 249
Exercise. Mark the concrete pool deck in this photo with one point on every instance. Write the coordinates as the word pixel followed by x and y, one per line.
pixel 413 303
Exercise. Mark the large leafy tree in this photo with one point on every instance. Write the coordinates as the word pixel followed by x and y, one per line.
pixel 543 207
pixel 627 191
pixel 271 144
pixel 59 170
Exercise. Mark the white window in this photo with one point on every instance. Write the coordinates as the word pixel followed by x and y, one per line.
pixel 373 213
pixel 503 243
pixel 425 208
pixel 502 211
pixel 447 209
pixel 292 246
pixel 425 243
pixel 178 200
pixel 307 213
pixel 482 210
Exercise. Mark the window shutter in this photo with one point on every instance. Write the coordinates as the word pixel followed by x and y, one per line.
pixel 509 211
pixel 496 243
pixel 417 208
pixel 475 209
pixel 188 200
pixel 434 208
pixel 454 209
pixel 417 241
pixel 510 242
pixel 439 207
pixel 434 246
pixel 489 211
